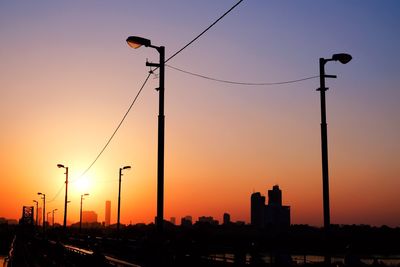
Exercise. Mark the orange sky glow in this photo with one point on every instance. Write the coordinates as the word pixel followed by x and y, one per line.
pixel 68 77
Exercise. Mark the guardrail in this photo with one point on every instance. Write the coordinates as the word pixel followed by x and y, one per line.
pixel 10 255
pixel 108 259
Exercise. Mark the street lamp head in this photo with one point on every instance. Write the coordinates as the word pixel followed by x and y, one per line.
pixel 60 166
pixel 86 194
pixel 39 193
pixel 126 167
pixel 136 42
pixel 35 201
pixel 342 58
pixel 55 209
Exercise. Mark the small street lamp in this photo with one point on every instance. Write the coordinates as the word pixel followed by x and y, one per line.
pixel 136 42
pixel 80 220
pixel 53 216
pixel 66 194
pixel 44 212
pixel 47 216
pixel 119 195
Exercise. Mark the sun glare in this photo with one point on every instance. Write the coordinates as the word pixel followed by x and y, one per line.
pixel 83 185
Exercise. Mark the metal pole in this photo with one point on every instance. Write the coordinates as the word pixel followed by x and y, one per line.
pixel 53 219
pixel 37 212
pixel 44 214
pixel 161 129
pixel 80 216
pixel 66 198
pixel 119 199
pixel 324 149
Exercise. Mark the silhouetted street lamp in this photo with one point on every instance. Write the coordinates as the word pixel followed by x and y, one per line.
pixel 344 59
pixel 136 42
pixel 119 194
pixel 44 212
pixel 47 216
pixel 53 216
pixel 37 210
pixel 80 220
pixel 66 194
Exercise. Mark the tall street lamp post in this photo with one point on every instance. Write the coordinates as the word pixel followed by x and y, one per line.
pixel 344 59
pixel 136 42
pixel 66 194
pixel 44 212
pixel 53 216
pixel 37 210
pixel 80 217
pixel 119 195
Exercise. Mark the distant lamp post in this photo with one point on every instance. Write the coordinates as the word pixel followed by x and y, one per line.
pixel 53 216
pixel 47 216
pixel 344 59
pixel 37 210
pixel 44 212
pixel 136 42
pixel 66 194
pixel 80 220
pixel 119 195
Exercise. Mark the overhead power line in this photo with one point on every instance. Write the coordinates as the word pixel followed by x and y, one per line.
pixel 140 90
pixel 203 32
pixel 58 193
pixel 241 83
pixel 117 128
pixel 176 53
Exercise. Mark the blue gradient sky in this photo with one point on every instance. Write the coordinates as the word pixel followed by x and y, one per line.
pixel 67 77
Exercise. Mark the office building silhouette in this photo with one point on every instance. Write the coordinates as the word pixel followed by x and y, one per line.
pixel 274 214
pixel 89 216
pixel 108 213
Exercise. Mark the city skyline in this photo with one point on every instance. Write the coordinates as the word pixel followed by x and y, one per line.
pixel 67 78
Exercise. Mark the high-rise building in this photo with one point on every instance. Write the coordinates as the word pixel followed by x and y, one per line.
pixel 275 196
pixel 273 214
pixel 40 213
pixel 89 216
pixel 108 213
pixel 257 210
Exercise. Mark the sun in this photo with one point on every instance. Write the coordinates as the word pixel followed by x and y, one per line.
pixel 83 185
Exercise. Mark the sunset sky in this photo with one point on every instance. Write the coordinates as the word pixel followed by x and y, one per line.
pixel 68 77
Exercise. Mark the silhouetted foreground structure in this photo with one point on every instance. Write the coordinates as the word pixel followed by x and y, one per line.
pixel 202 244
pixel 273 214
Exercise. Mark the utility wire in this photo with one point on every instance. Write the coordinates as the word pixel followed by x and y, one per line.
pixel 240 83
pixel 175 54
pixel 140 90
pixel 203 32
pixel 119 125
pixel 58 193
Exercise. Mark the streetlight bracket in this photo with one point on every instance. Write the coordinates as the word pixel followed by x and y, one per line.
pixel 150 64
pixel 330 76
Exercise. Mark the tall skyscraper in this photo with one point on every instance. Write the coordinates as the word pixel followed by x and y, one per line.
pixel 257 210
pixel 108 213
pixel 275 196
pixel 273 214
